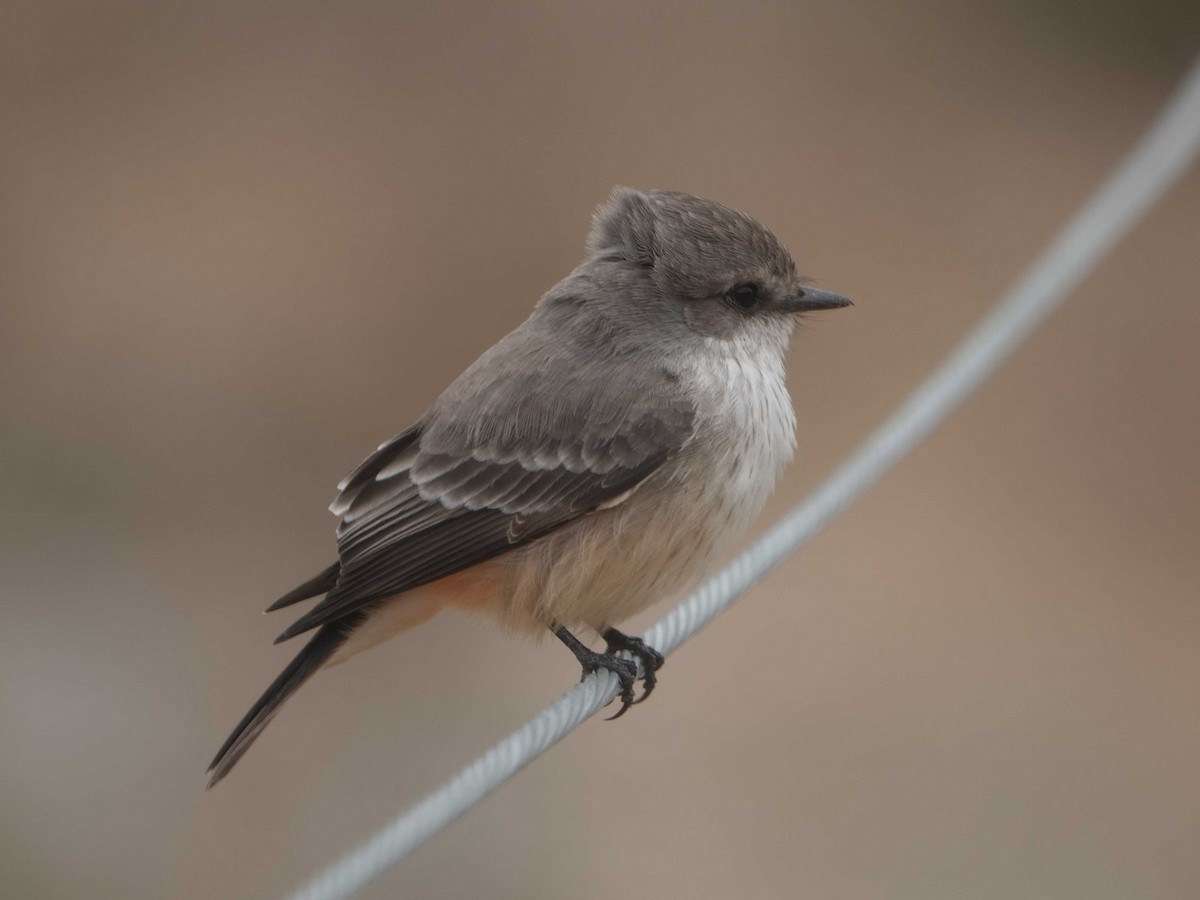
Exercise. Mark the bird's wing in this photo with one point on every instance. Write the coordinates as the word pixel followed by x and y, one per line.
pixel 524 442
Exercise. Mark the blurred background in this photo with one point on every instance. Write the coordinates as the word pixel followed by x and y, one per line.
pixel 241 246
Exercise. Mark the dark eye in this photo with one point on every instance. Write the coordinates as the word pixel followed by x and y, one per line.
pixel 744 296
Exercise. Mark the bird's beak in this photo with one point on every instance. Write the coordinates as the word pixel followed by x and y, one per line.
pixel 810 300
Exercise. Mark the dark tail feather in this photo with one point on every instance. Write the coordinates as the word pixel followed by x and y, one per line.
pixel 318 584
pixel 315 653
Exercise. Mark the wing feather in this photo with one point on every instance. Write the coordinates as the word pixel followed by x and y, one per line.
pixel 516 448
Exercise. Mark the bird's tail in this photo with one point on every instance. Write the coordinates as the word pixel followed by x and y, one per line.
pixel 321 583
pixel 315 654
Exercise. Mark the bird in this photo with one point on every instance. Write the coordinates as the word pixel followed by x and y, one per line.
pixel 594 460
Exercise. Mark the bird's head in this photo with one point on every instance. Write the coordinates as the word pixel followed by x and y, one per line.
pixel 724 270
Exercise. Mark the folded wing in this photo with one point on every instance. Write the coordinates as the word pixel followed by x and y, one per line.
pixel 521 444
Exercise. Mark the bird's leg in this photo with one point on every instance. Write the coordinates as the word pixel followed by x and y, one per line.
pixel 592 661
pixel 650 658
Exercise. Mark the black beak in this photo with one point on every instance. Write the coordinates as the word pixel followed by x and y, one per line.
pixel 811 300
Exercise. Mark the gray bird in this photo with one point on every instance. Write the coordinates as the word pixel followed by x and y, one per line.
pixel 593 461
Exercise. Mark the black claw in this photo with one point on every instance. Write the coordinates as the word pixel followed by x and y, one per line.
pixel 591 661
pixel 626 694
pixel 650 658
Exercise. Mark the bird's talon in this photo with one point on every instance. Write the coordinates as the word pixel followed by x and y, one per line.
pixel 626 672
pixel 625 669
pixel 650 659
pixel 626 695
pixel 648 684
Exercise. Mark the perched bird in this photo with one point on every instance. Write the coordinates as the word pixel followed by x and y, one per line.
pixel 594 460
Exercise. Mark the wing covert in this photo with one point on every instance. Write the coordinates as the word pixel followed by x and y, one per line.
pixel 496 462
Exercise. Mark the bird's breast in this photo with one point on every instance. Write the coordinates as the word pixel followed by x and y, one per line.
pixel 665 536
pixel 746 433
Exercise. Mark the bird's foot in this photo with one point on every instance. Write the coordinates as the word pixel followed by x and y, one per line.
pixel 650 658
pixel 591 661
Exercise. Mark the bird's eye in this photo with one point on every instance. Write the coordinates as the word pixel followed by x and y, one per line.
pixel 744 296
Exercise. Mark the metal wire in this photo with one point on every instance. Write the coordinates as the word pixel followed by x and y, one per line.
pixel 1160 158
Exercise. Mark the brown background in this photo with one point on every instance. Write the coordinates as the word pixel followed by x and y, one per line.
pixel 240 248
